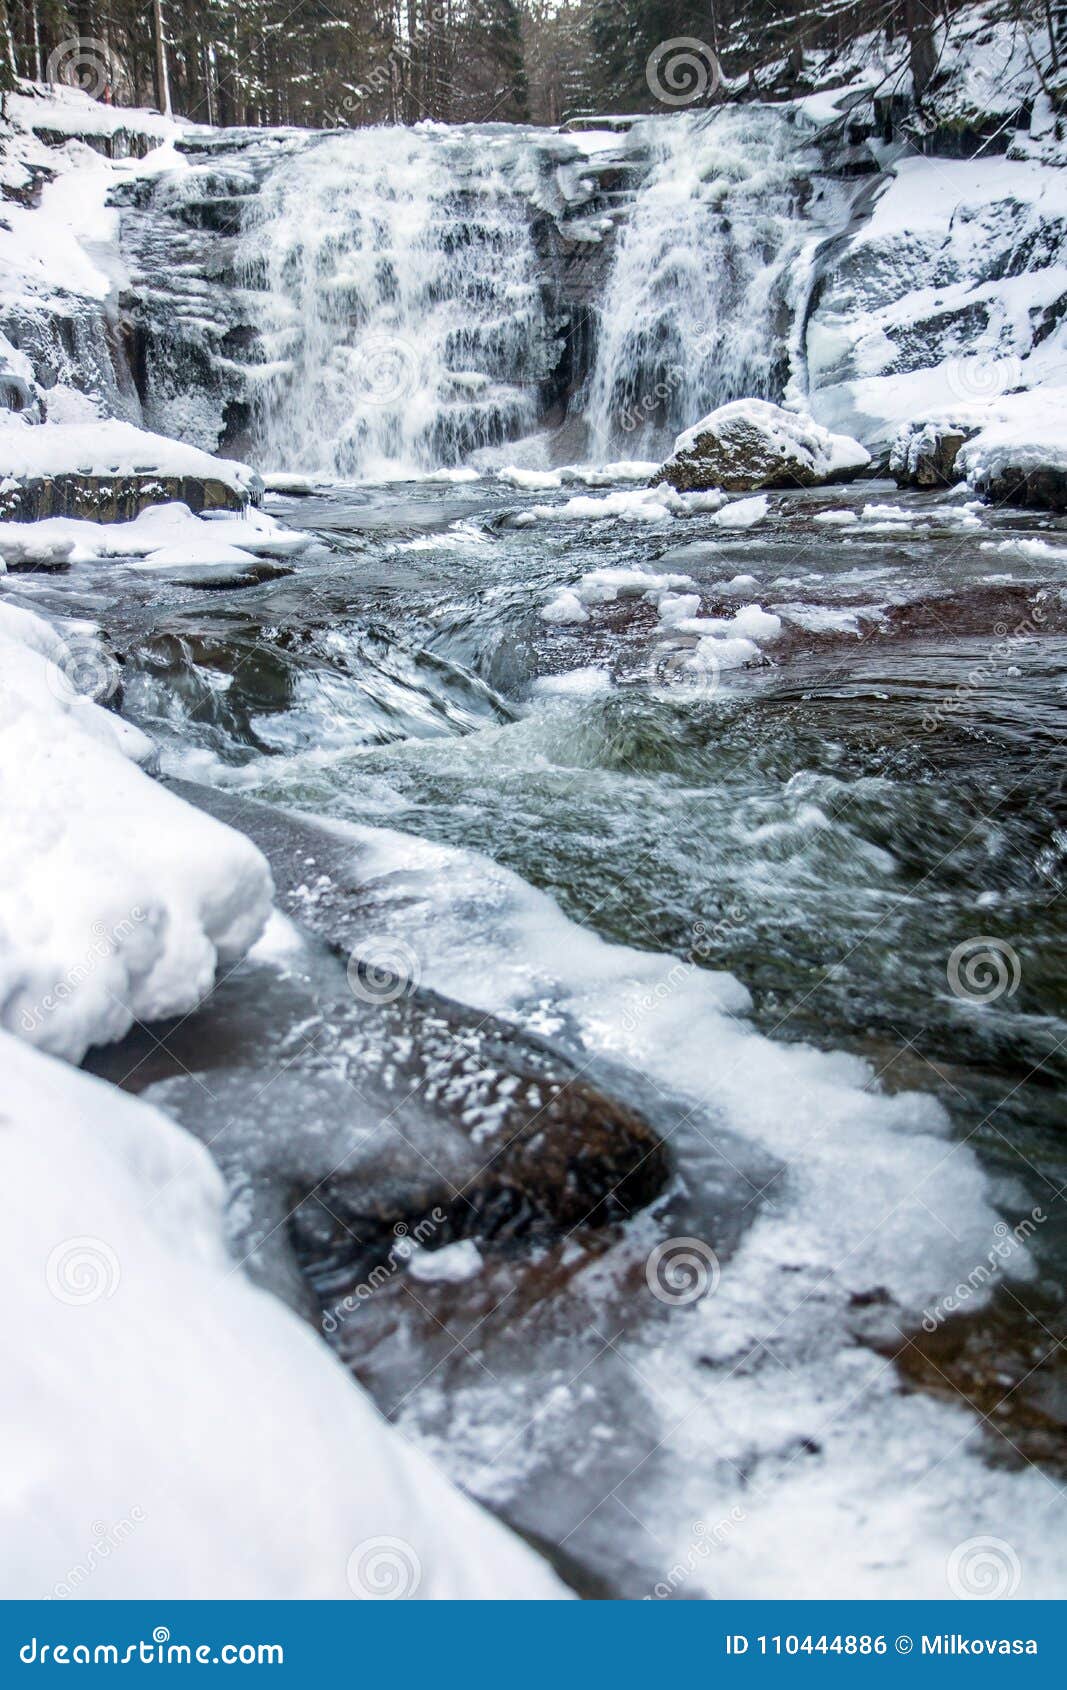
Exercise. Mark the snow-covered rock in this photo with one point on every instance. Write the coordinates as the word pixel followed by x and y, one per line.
pixel 751 444
pixel 944 301
pixel 924 453
pixel 107 470
pixel 1020 460
pixel 117 900
pixel 1012 450
pixel 170 1430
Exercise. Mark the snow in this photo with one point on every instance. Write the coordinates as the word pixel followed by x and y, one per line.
pixel 110 447
pixel 743 513
pixel 166 528
pixel 836 519
pixel 932 308
pixel 1020 435
pixel 610 583
pixel 644 505
pixel 202 554
pixel 751 622
pixel 575 683
pixel 565 607
pixel 451 1265
pixel 196 1425
pixel 117 900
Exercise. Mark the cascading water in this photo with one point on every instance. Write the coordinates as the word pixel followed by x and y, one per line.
pixel 405 325
pixel 703 294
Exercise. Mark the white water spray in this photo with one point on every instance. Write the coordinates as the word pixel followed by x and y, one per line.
pixel 702 296
pixel 404 326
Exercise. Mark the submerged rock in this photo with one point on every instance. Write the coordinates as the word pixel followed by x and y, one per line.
pixel 424 1102
pixel 751 444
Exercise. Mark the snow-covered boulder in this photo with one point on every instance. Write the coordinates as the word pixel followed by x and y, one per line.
pixel 170 1430
pixel 109 471
pixel 117 900
pixel 1020 460
pixel 752 443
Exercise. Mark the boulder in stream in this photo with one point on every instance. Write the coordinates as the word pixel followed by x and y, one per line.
pixel 751 443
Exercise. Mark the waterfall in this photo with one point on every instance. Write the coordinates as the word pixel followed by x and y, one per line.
pixel 403 320
pixel 701 301
pixel 408 314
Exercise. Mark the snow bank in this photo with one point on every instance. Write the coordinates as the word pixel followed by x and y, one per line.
pixel 112 448
pixel 117 900
pixel 160 528
pixel 945 300
pixel 198 1440
pixel 1022 453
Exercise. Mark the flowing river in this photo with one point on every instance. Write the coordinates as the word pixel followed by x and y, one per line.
pixel 803 915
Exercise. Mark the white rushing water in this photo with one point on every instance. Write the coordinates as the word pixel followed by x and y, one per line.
pixel 404 323
pixel 709 272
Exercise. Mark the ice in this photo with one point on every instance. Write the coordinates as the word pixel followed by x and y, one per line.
pixel 198 1440
pixel 159 528
pixel 203 554
pixel 565 607
pixel 117 900
pixel 836 519
pixel 450 1265
pixel 744 513
pixel 751 622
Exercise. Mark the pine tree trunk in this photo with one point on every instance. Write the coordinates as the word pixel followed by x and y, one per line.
pixel 162 78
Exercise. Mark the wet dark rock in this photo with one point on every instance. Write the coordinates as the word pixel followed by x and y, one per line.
pixel 111 498
pixel 925 454
pixel 523 1141
pixel 1043 487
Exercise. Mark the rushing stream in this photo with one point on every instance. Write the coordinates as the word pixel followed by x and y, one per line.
pixel 554 888
pixel 828 825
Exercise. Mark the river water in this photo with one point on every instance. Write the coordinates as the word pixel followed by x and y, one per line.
pixel 803 913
